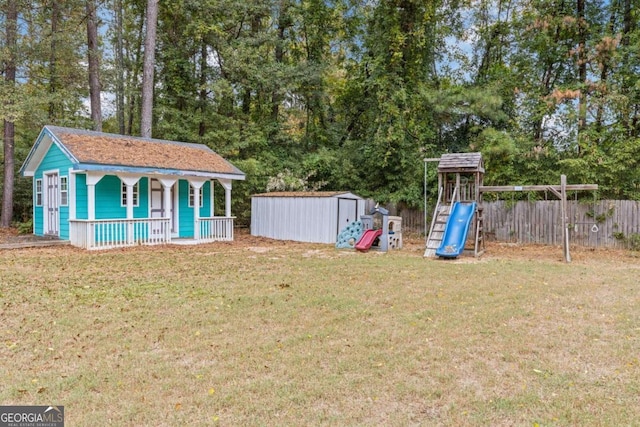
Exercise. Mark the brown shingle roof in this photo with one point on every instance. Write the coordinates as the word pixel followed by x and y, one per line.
pixel 121 150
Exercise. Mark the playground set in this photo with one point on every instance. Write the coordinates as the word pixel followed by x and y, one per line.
pixel 376 231
pixel 458 219
pixel 459 208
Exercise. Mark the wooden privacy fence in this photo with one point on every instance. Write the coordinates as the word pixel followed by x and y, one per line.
pixel 606 223
pixel 412 219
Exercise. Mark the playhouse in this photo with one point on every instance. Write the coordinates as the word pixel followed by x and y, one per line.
pixel 378 231
pixel 102 190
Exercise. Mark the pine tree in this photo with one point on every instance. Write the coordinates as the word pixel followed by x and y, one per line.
pixel 9 66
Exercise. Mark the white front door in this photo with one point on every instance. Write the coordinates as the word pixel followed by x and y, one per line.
pixel 51 209
pixel 156 207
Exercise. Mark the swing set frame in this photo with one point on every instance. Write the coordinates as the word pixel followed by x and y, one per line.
pixel 559 191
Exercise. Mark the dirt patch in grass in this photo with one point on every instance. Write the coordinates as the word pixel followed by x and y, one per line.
pixel 412 244
pixel 11 236
pixel 8 234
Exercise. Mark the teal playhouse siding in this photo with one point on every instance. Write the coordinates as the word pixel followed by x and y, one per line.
pixel 81 196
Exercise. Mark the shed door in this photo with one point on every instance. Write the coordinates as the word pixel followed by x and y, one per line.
pixel 51 209
pixel 347 213
pixel 156 209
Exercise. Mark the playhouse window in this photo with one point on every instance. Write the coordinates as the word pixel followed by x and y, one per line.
pixel 192 196
pixel 136 199
pixel 38 192
pixel 64 191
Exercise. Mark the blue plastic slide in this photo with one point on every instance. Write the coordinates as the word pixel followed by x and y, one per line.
pixel 455 232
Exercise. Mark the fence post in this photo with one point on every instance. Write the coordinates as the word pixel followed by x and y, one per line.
pixel 565 224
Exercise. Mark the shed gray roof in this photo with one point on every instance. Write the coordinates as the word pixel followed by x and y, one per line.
pixel 305 194
pixel 461 162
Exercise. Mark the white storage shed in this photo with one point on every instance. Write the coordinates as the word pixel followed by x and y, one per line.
pixel 316 216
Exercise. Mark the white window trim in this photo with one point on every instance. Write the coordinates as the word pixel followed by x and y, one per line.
pixel 123 194
pixel 192 196
pixel 38 193
pixel 66 191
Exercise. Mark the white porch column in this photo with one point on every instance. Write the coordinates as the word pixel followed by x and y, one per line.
pixel 167 183
pixel 212 184
pixel 130 182
pixel 92 180
pixel 71 196
pixel 226 184
pixel 197 185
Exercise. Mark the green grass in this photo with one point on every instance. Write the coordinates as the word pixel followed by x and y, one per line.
pixel 294 334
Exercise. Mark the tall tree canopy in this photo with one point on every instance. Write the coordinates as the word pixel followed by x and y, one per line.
pixel 339 94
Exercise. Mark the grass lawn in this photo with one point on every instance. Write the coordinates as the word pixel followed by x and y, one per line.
pixel 264 333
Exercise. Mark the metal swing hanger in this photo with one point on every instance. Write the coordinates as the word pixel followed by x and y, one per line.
pixel 594 228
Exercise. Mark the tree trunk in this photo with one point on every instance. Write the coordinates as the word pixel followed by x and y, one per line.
pixel 628 23
pixel 284 21
pixel 11 24
pixel 548 80
pixel 256 24
pixel 119 68
pixel 582 73
pixel 628 117
pixel 604 74
pixel 202 128
pixel 133 100
pixel 147 72
pixel 53 78
pixel 94 66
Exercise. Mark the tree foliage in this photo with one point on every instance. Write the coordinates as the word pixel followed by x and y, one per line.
pixel 348 94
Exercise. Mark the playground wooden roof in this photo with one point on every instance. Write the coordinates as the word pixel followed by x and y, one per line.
pixel 461 162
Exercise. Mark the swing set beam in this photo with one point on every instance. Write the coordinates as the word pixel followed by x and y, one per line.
pixel 559 190
pixel 555 189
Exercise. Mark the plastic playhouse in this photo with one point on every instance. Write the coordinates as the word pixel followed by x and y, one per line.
pixel 376 231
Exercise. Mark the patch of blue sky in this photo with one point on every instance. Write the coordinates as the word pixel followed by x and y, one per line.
pixel 457 53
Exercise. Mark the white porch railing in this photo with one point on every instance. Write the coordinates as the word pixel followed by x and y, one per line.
pixel 119 233
pixel 215 229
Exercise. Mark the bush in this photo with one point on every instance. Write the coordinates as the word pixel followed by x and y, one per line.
pixel 25 227
pixel 632 241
